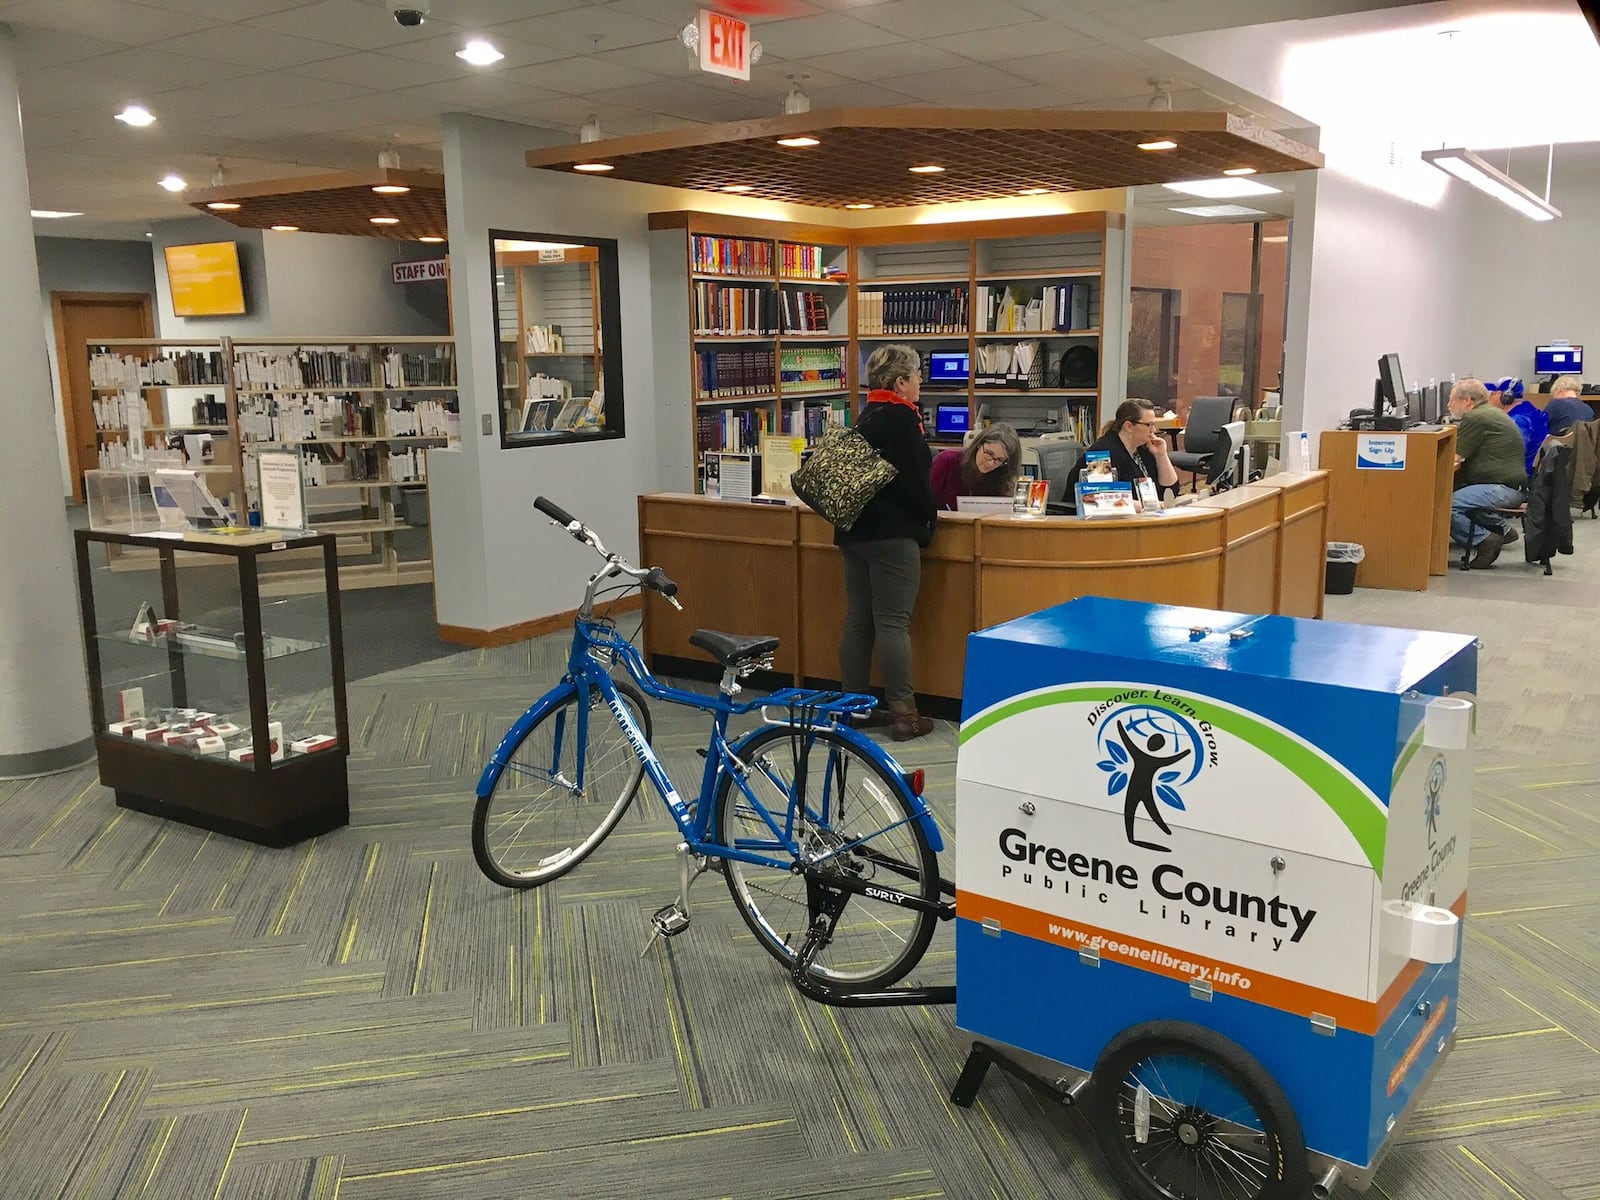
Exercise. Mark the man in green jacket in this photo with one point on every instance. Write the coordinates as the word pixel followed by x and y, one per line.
pixel 1489 470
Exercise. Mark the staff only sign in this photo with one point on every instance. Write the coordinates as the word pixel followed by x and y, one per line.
pixel 425 271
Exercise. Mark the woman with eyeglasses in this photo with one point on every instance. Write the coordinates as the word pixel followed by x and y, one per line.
pixel 1138 451
pixel 988 465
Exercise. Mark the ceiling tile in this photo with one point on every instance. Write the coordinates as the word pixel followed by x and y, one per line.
pixel 378 108
pixel 34 49
pixel 480 92
pixel 353 23
pixel 1074 68
pixel 76 88
pixel 159 70
pixel 110 20
pixel 666 57
pixel 936 18
pixel 858 95
pixel 588 30
pixel 568 113
pixel 226 10
pixel 886 62
pixel 675 98
pixel 486 14
pixel 808 37
pixel 377 72
pixel 974 79
pixel 1012 41
pixel 581 76
pixel 259 49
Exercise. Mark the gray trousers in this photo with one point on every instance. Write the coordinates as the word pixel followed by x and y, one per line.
pixel 880 589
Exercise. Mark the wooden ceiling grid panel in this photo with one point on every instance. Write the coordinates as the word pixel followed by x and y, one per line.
pixel 342 203
pixel 864 156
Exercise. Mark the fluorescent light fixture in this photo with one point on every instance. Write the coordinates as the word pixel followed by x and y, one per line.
pixel 223 206
pixel 51 214
pixel 1163 144
pixel 1277 237
pixel 1469 168
pixel 739 187
pixel 1033 191
pixel 1221 189
pixel 432 241
pixel 1219 210
pixel 286 229
pixel 384 220
pixel 174 183
pixel 926 169
pixel 479 53
pixel 1240 171
pixel 391 189
pixel 136 116
pixel 799 141
pixel 860 206
pixel 516 245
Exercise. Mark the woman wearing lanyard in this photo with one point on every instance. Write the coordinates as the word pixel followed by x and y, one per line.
pixel 1138 452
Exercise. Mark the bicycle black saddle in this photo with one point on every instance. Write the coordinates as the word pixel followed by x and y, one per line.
pixel 731 649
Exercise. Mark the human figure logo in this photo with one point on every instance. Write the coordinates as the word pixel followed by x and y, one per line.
pixel 1434 790
pixel 1149 753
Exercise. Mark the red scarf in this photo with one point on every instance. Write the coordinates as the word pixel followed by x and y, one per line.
pixel 884 396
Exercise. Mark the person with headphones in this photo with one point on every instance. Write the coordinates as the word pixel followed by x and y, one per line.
pixel 1529 418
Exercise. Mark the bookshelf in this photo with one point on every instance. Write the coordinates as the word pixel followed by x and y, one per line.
pixel 1017 296
pixel 363 412
pixel 550 351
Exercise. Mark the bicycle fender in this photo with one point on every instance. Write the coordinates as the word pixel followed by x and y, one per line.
pixel 873 750
pixel 519 729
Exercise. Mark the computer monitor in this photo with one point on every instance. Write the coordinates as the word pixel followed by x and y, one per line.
pixel 951 421
pixel 1558 360
pixel 1390 397
pixel 948 368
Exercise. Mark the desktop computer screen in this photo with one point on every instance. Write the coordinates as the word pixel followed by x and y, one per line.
pixel 1558 360
pixel 948 368
pixel 951 421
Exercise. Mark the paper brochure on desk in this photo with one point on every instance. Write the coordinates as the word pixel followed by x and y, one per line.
pixel 281 487
pixel 1098 500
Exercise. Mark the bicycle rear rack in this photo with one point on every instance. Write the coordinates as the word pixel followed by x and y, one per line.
pixel 814 703
pixel 827 896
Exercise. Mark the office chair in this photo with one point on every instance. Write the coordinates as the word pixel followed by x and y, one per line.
pixel 1219 467
pixel 1202 433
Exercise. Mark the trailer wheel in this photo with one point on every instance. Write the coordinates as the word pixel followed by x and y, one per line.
pixel 1183 1113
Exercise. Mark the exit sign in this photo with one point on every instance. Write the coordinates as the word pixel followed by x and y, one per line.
pixel 724 45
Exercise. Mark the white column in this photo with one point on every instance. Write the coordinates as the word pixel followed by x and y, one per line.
pixel 44 706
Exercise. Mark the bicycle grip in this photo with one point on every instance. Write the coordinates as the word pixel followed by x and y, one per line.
pixel 660 581
pixel 554 511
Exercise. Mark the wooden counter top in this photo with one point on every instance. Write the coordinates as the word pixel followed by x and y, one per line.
pixel 751 568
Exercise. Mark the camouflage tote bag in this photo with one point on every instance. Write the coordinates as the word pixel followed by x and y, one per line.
pixel 841 475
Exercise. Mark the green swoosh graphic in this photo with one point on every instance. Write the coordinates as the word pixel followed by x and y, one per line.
pixel 1356 808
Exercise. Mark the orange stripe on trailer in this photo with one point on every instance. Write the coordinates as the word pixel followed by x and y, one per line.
pixel 1409 1058
pixel 1271 991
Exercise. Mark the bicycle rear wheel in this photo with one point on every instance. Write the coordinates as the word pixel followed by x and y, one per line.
pixel 537 823
pixel 851 810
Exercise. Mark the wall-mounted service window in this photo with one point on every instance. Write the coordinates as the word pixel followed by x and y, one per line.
pixel 560 342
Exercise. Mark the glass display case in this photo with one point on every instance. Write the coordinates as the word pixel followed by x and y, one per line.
pixel 214 704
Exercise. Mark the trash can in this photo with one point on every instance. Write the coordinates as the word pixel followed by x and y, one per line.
pixel 1339 576
pixel 414 505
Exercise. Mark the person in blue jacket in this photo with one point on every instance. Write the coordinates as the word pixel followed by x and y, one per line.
pixel 1528 417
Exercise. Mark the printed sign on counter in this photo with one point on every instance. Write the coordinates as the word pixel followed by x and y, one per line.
pixel 1381 452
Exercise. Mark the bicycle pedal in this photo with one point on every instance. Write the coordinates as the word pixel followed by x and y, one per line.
pixel 670 921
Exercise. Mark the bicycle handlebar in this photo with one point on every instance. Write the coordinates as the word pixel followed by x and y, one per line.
pixel 560 516
pixel 653 578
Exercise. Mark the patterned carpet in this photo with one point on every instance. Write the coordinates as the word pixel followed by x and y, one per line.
pixel 365 1017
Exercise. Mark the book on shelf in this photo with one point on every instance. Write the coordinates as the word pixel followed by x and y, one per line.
pixel 811 369
pixel 804 312
pixel 730 374
pixel 732 430
pixel 734 310
pixel 1017 308
pixel 797 261
pixel 731 256
pixel 913 310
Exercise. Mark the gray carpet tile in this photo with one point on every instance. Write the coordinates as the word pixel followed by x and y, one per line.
pixel 364 1017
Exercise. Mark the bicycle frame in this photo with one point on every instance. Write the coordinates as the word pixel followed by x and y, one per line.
pixel 596 645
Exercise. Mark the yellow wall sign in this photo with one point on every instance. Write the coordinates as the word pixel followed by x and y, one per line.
pixel 204 280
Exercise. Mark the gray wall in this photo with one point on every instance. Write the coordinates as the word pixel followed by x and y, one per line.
pixel 322 285
pixel 257 321
pixel 85 265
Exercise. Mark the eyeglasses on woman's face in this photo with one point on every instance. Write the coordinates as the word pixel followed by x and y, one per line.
pixel 991 454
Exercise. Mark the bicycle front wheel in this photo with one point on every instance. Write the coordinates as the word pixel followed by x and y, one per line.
pixel 853 818
pixel 562 791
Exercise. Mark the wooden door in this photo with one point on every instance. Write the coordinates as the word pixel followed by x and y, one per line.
pixel 82 317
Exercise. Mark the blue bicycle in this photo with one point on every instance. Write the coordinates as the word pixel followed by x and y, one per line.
pixel 824 840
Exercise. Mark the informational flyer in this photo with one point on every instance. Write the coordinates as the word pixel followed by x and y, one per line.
pixel 780 458
pixel 282 489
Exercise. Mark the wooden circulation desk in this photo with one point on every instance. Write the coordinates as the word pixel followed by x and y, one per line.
pixel 758 569
pixel 1400 515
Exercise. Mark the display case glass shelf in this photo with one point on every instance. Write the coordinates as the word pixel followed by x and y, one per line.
pixel 213 705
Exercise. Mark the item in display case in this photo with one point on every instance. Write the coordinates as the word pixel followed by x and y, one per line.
pixel 211 745
pixel 150 733
pixel 125 728
pixel 130 703
pixel 183 499
pixel 310 743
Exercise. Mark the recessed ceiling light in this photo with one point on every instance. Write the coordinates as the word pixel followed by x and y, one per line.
pixel 860 206
pixel 384 220
pixel 1033 191
pixel 391 189
pixel 1277 237
pixel 926 169
pixel 738 187
pixel 223 206
pixel 1240 171
pixel 286 229
pixel 173 183
pixel 430 240
pixel 593 167
pixel 1163 144
pixel 136 116
pixel 479 53
pixel 799 141
pixel 1219 210
pixel 1221 189
pixel 51 214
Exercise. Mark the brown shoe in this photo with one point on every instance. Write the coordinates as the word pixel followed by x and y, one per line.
pixel 1488 550
pixel 903 726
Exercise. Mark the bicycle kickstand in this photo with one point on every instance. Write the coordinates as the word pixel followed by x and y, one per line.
pixel 673 919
